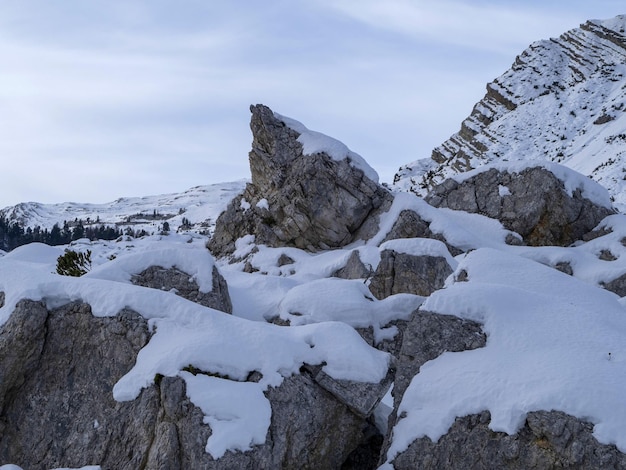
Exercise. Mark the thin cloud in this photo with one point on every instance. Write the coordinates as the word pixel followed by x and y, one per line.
pixel 476 25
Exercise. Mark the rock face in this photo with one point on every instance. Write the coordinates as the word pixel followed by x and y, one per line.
pixel 57 371
pixel 405 273
pixel 354 268
pixel 307 201
pixel 558 95
pixel 157 277
pixel 533 203
pixel 548 439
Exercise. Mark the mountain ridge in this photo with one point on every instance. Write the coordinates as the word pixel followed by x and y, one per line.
pixel 562 101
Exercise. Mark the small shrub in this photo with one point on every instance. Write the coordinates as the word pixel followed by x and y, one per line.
pixel 74 263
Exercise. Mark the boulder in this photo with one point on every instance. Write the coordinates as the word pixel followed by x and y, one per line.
pixel 312 201
pixel 400 272
pixel 532 202
pixel 184 285
pixel 548 439
pixel 57 371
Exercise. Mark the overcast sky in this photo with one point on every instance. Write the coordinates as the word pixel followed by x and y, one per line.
pixel 107 98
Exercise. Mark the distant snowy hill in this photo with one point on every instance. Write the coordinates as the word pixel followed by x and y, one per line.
pixel 563 100
pixel 199 205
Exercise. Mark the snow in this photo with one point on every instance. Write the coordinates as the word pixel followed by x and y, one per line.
pixel 461 229
pixel 238 413
pixel 549 339
pixel 503 191
pixel 554 341
pixel 263 204
pixel 245 205
pixel 166 254
pixel 315 142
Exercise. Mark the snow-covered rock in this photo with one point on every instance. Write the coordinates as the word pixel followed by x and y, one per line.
pixel 183 284
pixel 547 204
pixel 317 194
pixel 413 266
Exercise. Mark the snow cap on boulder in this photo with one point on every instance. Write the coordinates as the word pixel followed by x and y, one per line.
pixel 546 203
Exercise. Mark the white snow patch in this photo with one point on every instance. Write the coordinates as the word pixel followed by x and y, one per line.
pixel 503 190
pixel 263 204
pixel 244 246
pixel 188 258
pixel 349 302
pixel 238 412
pixel 315 142
pixel 245 205
pixel 461 229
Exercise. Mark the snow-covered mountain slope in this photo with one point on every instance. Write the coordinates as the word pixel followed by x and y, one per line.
pixel 199 205
pixel 563 100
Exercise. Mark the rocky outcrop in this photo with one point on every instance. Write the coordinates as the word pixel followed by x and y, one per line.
pixel 406 273
pixel 532 202
pixel 548 439
pixel 309 201
pixel 354 268
pixel 58 369
pixel 184 285
pixel 57 372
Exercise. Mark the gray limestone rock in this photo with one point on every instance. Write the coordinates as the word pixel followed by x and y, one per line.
pixel 184 285
pixel 354 268
pixel 548 440
pixel 617 285
pixel 57 372
pixel 360 397
pixel 57 405
pixel 533 203
pixel 403 273
pixel 312 202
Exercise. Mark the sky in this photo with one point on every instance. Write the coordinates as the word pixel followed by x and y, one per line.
pixel 103 99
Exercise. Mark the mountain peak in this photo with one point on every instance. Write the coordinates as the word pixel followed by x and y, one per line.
pixel 562 100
